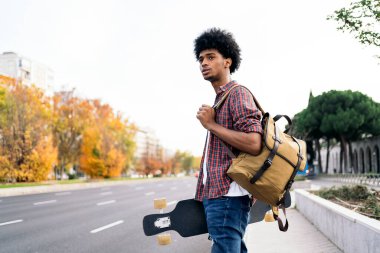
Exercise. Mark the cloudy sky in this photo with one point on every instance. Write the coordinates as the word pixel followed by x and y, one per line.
pixel 138 55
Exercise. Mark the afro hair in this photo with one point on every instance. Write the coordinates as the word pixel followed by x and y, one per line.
pixel 221 40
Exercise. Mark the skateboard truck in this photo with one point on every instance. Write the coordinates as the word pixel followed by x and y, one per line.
pixel 165 238
pixel 269 216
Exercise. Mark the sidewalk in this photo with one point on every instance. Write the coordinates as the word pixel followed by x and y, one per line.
pixel 301 237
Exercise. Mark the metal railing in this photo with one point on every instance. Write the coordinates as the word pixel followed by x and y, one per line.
pixel 369 179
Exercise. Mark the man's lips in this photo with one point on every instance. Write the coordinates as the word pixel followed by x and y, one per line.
pixel 205 71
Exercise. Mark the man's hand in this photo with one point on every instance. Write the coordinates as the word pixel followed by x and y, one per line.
pixel 247 142
pixel 206 115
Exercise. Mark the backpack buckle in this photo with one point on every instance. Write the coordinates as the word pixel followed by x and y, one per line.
pixel 267 163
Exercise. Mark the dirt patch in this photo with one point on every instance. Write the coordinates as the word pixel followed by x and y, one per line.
pixel 357 198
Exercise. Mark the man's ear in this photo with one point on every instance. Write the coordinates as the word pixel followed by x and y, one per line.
pixel 228 62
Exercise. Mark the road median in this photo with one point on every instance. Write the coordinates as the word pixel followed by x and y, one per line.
pixel 16 191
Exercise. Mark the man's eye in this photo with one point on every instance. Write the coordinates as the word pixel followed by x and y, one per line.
pixel 210 58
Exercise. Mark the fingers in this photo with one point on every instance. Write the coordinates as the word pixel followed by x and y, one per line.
pixel 205 112
pixel 206 116
pixel 203 109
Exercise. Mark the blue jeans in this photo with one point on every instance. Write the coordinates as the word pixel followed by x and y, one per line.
pixel 227 219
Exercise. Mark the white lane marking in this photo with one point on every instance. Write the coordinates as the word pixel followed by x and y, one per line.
pixel 189 185
pixel 172 202
pixel 149 193
pixel 106 227
pixel 10 222
pixel 105 193
pixel 106 202
pixel 105 189
pixel 173 188
pixel 62 193
pixel 1 200
pixel 139 188
pixel 160 185
pixel 45 202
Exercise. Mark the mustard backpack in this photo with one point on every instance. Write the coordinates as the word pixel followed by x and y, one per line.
pixel 269 175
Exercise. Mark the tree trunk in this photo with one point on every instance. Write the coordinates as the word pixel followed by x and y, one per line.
pixel 340 158
pixel 327 156
pixel 318 146
pixel 344 149
pixel 61 168
pixel 55 171
pixel 351 156
pixel 61 172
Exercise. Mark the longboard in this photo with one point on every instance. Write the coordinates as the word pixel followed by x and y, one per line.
pixel 188 217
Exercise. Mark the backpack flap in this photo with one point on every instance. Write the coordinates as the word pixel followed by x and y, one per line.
pixel 289 148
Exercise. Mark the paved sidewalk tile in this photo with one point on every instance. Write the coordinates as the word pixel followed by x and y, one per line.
pixel 301 237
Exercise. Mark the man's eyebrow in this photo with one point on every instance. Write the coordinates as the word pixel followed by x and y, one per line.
pixel 208 54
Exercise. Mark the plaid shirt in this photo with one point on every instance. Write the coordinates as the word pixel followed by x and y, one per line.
pixel 239 113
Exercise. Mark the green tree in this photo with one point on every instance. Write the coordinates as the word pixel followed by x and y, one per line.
pixel 362 19
pixel 349 116
pixel 343 115
pixel 306 126
pixel 182 161
pixel 187 162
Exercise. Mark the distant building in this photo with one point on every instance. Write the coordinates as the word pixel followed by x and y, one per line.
pixel 147 144
pixel 27 71
pixel 148 147
pixel 365 157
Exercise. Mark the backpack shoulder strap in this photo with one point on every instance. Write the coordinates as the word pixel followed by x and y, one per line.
pixel 256 101
pixel 221 101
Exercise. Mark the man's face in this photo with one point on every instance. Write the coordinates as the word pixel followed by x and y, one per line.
pixel 213 65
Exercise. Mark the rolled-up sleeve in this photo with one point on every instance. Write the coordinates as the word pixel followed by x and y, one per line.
pixel 246 116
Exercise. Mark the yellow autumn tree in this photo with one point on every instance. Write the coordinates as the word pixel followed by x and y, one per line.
pixel 26 150
pixel 107 145
pixel 90 160
pixel 38 163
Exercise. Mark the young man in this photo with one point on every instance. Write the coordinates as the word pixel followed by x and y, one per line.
pixel 237 124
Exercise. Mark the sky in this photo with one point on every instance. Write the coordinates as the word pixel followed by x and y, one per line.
pixel 138 56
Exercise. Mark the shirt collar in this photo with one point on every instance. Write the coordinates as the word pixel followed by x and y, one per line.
pixel 225 87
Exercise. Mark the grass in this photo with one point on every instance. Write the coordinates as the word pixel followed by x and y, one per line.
pixel 3 186
pixel 71 181
pixel 299 178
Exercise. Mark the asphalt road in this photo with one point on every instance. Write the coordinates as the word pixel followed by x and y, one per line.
pixel 107 219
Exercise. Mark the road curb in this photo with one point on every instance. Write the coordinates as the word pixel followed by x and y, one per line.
pixel 350 231
pixel 17 191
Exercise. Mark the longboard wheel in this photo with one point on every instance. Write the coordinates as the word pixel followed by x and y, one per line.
pixel 269 217
pixel 160 203
pixel 164 239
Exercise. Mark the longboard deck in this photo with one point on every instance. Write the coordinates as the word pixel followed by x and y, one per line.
pixel 259 208
pixel 258 211
pixel 188 218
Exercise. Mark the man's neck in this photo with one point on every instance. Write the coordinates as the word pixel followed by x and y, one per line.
pixel 218 83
